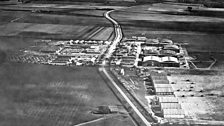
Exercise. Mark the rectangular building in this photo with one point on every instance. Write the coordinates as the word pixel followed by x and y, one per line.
pixel 164 91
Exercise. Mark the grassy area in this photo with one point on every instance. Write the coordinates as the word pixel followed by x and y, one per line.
pixel 51 95
pixel 203 98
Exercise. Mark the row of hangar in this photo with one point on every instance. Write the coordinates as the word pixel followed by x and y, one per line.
pixel 164 104
pixel 156 61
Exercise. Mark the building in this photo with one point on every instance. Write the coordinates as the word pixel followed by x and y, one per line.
pixel 162 85
pixel 127 62
pixel 171 47
pixel 164 81
pixel 169 61
pixel 167 53
pixel 61 60
pixel 166 99
pixel 164 91
pixel 173 113
pixel 166 105
pixel 155 75
pixel 152 41
pixel 166 42
pixel 153 61
pixel 150 51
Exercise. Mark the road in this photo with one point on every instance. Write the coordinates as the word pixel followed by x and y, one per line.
pixel 118 34
pixel 117 39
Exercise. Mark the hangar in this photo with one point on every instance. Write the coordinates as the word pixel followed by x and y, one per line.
pixel 166 41
pixel 151 61
pixel 169 61
pixel 172 47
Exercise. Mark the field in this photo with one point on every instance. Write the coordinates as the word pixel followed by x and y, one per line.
pixel 203 34
pixel 169 17
pixel 43 95
pixel 204 38
pixel 49 95
pixel 72 24
pixel 202 97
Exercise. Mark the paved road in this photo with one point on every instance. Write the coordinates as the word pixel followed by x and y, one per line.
pixel 117 39
pixel 118 34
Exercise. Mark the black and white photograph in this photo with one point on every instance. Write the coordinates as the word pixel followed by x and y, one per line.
pixel 111 62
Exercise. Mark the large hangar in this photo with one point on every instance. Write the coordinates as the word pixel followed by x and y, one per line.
pixel 151 61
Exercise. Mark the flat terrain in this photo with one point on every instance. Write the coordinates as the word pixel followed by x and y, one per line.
pixel 72 24
pixel 43 95
pixel 202 97
pixel 53 96
pixel 203 34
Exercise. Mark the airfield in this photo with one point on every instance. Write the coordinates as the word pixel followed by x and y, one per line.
pixel 51 95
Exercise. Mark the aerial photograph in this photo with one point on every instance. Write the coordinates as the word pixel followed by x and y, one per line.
pixel 111 62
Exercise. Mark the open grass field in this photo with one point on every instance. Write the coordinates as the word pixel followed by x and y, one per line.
pixel 203 98
pixel 52 95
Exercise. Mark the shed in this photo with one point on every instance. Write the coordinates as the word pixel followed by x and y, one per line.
pixel 157 72
pixel 160 81
pixel 173 116
pixel 162 77
pixel 153 41
pixel 164 91
pixel 166 41
pixel 151 52
pixel 171 47
pixel 168 53
pixel 148 83
pixel 165 99
pixel 162 86
pixel 173 113
pixel 128 57
pixel 165 105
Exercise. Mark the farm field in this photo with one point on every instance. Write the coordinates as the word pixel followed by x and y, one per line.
pixel 37 95
pixel 54 96
pixel 53 26
pixel 98 13
pixel 164 16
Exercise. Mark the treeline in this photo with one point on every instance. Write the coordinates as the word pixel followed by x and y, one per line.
pixel 206 3
pixel 97 1
pixel 149 1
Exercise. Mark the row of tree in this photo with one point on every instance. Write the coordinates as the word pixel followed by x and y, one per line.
pixel 207 3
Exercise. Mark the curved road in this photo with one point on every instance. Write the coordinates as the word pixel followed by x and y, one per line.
pixel 118 34
pixel 117 39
